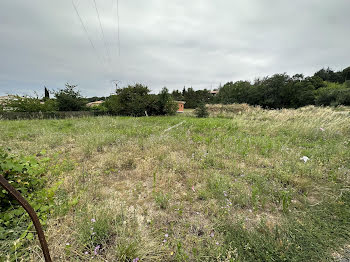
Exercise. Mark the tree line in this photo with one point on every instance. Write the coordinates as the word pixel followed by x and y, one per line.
pixel 324 88
pixel 133 100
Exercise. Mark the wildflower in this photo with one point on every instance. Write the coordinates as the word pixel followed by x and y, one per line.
pixel 93 220
pixel 166 235
pixel 92 229
pixel 304 158
pixel 193 189
pixel 212 234
pixel 86 253
pixel 67 244
pixel 97 248
pixel 217 243
pixel 225 194
pixel 135 259
pixel 93 233
pixel 164 240
pixel 322 129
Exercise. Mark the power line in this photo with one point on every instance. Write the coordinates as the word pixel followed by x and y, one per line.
pixel 118 27
pixel 103 35
pixel 84 27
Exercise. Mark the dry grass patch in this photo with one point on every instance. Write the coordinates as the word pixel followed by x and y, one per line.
pixel 213 189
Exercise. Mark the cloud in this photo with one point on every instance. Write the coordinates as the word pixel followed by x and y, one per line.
pixel 198 43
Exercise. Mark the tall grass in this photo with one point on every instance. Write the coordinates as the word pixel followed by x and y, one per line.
pixel 231 187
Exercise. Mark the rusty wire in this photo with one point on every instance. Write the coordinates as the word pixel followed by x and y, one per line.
pixel 24 203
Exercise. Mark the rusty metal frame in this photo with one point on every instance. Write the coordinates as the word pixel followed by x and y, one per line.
pixel 24 203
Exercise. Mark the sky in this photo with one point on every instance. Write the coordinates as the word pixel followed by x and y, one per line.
pixel 198 43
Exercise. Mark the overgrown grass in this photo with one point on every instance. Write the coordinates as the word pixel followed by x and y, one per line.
pixel 225 188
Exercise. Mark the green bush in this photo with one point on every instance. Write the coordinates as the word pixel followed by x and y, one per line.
pixel 132 100
pixel 136 101
pixel 347 83
pixel 277 91
pixel 70 100
pixel 343 97
pixel 166 104
pixel 161 199
pixel 325 97
pixel 112 105
pixel 98 109
pixel 201 111
pixel 27 175
pixel 30 104
pixel 333 95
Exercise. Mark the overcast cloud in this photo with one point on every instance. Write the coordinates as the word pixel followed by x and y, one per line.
pixel 199 43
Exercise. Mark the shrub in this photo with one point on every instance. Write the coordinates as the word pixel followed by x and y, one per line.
pixel 30 104
pixel 26 174
pixel 325 96
pixel 136 101
pixel 132 100
pixel 112 105
pixel 333 94
pixel 98 109
pixel 69 100
pixel 347 83
pixel 166 104
pixel 201 111
pixel 343 97
pixel 162 200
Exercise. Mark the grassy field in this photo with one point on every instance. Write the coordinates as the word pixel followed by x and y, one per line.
pixel 227 188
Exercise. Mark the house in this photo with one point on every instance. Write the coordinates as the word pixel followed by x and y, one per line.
pixel 214 92
pixel 95 103
pixel 181 107
pixel 5 99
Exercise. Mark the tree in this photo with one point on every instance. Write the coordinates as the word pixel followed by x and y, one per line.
pixel 190 98
pixel 234 92
pixel 31 104
pixel 328 95
pixel 330 76
pixel 112 105
pixel 69 100
pixel 274 91
pixel 346 74
pixel 166 103
pixel 177 95
pixel 201 111
pixel 136 100
pixel 343 97
pixel 302 93
pixel 47 94
pixel 133 100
